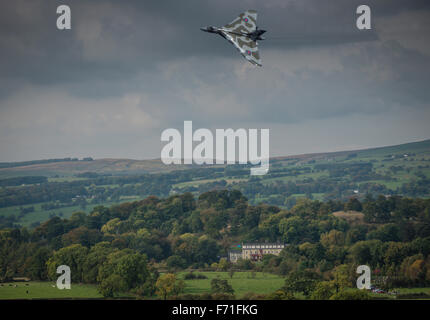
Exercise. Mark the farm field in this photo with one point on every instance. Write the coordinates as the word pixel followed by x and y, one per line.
pixel 242 282
pixel 196 183
pixel 45 290
pixel 39 214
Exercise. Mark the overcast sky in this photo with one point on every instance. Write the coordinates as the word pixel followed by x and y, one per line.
pixel 130 69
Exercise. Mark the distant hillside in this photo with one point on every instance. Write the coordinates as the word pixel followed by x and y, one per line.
pixel 101 166
pixel 29 163
pixel 420 147
pixel 72 166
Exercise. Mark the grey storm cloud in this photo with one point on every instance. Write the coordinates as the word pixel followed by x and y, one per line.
pixel 118 38
pixel 129 69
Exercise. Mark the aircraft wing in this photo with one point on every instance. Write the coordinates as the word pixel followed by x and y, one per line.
pixel 247 47
pixel 245 23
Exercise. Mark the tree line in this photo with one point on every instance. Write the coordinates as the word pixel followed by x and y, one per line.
pixel 123 247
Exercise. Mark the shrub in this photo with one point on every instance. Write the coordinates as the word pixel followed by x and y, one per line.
pixel 253 296
pixel 221 286
pixel 351 295
pixel 418 295
pixel 194 276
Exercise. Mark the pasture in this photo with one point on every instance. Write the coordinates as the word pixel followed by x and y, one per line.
pixel 46 290
pixel 242 282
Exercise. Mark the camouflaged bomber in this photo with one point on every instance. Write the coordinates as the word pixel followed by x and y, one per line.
pixel 243 33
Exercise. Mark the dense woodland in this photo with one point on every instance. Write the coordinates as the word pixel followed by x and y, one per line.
pixel 125 247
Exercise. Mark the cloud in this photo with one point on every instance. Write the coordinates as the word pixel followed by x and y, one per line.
pixel 128 70
pixel 49 123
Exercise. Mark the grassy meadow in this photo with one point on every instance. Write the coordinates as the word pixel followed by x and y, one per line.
pixel 242 282
pixel 46 290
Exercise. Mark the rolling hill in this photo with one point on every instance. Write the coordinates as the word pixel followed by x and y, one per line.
pixel 129 166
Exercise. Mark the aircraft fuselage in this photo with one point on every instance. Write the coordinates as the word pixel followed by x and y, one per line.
pixel 256 35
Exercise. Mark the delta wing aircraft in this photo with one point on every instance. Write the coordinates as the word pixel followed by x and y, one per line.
pixel 243 33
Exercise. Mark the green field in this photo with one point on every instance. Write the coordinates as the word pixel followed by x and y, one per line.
pixel 196 183
pixel 42 215
pixel 242 282
pixel 46 290
pixel 294 178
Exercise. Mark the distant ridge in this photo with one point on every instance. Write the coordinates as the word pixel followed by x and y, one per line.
pixel 72 166
pixel 32 162
pixel 418 146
